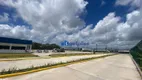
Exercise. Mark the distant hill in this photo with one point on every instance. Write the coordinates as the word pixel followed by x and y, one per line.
pixel 136 52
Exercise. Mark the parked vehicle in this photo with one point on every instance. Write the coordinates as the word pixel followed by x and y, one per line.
pixel 46 51
pixel 58 50
pixel 39 51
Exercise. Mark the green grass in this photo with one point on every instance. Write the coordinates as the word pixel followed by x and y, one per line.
pixel 16 55
pixel 74 54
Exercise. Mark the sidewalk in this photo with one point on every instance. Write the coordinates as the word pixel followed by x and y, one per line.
pixel 118 67
pixel 22 64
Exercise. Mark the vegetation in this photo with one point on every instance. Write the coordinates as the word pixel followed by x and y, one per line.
pixel 16 70
pixel 16 55
pixel 74 54
pixel 136 52
pixel 44 46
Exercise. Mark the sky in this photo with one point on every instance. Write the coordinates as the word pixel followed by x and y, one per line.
pixel 115 23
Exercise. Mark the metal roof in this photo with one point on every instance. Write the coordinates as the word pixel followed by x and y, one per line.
pixel 14 41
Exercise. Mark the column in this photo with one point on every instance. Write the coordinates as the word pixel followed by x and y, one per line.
pixel 30 47
pixel 26 47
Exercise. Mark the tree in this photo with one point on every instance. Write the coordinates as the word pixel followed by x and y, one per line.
pixel 44 46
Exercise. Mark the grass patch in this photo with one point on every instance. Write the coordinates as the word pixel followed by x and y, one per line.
pixel 15 71
pixel 74 54
pixel 16 55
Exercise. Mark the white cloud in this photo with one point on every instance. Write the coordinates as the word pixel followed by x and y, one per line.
pixel 58 20
pixel 132 28
pixel 111 31
pixel 50 17
pixel 15 31
pixel 123 34
pixel 106 27
pixel 107 24
pixel 4 17
pixel 133 3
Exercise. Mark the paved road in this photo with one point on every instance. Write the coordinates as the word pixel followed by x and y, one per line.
pixel 118 67
pixel 22 64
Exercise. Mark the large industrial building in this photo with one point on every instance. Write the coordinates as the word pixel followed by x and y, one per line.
pixel 10 45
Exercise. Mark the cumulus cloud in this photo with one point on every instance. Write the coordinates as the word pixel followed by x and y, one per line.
pixel 112 32
pixel 104 32
pixel 4 17
pixel 15 32
pixel 132 28
pixel 54 21
pixel 119 34
pixel 50 17
pixel 133 3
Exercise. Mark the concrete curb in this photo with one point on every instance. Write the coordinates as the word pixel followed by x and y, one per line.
pixel 27 72
pixel 37 58
pixel 56 66
pixel 137 67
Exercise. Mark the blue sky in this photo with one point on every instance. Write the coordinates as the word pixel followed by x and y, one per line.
pixel 53 21
pixel 12 13
pixel 98 9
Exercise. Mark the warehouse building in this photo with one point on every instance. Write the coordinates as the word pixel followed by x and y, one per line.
pixel 11 45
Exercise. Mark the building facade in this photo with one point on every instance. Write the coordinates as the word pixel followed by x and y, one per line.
pixel 11 45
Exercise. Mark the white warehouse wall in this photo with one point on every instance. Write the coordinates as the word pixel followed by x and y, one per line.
pixel 12 51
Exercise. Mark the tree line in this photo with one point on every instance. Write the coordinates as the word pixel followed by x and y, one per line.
pixel 47 46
